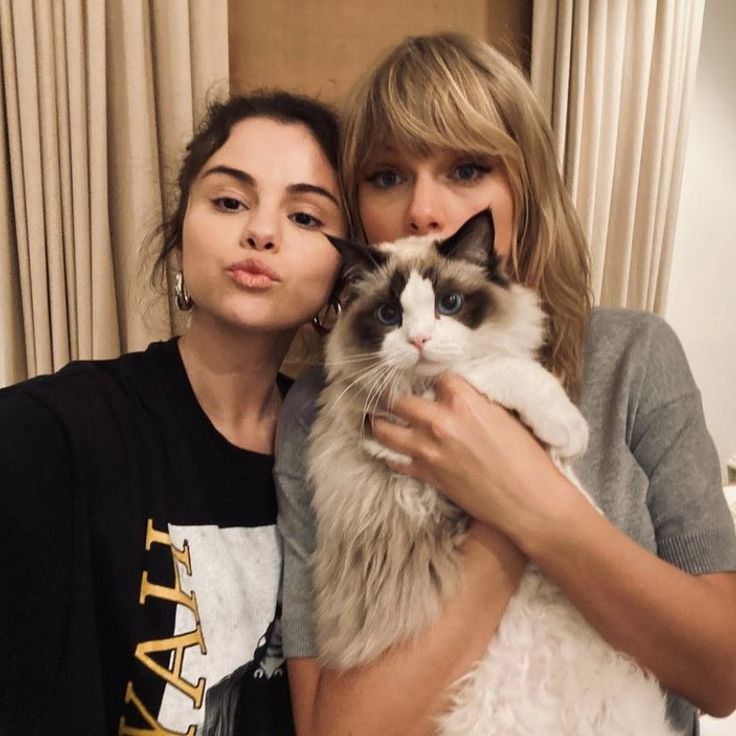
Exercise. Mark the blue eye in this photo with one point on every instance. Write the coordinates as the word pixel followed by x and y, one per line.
pixel 470 172
pixel 388 314
pixel 384 179
pixel 449 304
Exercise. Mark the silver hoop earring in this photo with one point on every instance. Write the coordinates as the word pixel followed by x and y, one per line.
pixel 319 323
pixel 183 300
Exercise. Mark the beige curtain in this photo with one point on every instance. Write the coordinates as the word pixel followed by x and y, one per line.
pixel 616 78
pixel 98 98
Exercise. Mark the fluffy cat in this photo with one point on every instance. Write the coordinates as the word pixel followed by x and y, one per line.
pixel 388 545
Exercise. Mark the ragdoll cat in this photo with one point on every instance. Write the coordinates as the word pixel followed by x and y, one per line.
pixel 388 545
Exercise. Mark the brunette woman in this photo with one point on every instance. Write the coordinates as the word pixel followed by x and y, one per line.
pixel 140 559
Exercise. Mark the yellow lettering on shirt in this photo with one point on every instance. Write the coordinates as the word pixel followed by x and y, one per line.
pixel 156 728
pixel 178 644
pixel 175 594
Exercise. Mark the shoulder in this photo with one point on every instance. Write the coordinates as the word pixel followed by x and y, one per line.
pixel 617 331
pixel 629 351
pixel 299 409
pixel 83 391
pixel 635 375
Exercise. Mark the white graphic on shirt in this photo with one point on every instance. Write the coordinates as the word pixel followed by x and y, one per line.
pixel 235 576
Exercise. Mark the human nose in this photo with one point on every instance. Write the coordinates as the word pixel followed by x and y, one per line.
pixel 260 232
pixel 425 211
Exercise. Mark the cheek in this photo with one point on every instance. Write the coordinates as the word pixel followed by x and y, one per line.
pixel 502 204
pixel 396 350
pixel 380 217
pixel 199 236
pixel 452 333
pixel 319 273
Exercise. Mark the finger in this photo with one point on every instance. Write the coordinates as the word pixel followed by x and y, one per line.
pixel 395 436
pixel 410 469
pixel 416 410
pixel 452 385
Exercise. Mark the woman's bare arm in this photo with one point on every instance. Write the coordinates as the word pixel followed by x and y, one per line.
pixel 678 625
pixel 404 689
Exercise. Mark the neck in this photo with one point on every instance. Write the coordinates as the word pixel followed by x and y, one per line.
pixel 233 375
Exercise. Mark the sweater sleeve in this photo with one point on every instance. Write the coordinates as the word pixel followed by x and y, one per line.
pixel 693 526
pixel 296 520
pixel 36 529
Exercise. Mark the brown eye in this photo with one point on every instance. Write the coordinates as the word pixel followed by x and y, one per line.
pixel 304 219
pixel 228 204
pixel 449 304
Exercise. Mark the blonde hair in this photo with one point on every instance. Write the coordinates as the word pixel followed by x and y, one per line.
pixel 452 91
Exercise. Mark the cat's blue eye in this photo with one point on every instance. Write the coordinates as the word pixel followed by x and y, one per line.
pixel 449 304
pixel 388 314
pixel 384 179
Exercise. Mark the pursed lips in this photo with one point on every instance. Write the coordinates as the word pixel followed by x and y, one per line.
pixel 253 267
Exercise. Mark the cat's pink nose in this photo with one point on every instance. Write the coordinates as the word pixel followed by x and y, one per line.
pixel 418 341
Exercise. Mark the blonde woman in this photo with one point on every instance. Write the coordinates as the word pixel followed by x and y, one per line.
pixel 442 128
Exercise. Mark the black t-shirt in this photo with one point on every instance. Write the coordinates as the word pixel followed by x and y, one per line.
pixel 139 559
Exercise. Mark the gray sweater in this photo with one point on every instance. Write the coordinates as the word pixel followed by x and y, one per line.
pixel 651 465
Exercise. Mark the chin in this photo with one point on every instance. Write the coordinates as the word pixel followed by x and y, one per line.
pixel 427 368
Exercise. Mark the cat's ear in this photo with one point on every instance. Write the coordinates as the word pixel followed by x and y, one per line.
pixel 474 242
pixel 357 258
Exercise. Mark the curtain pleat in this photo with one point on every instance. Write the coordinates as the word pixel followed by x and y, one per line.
pixel 12 337
pixel 98 99
pixel 163 64
pixel 615 78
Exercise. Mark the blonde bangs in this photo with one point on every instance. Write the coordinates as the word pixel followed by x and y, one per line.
pixel 417 100
pixel 445 115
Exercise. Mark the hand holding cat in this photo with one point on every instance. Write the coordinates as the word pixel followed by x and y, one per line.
pixel 479 455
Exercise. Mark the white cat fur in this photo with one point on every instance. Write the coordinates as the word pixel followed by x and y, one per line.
pixel 388 545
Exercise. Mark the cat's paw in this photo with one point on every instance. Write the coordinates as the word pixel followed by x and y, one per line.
pixel 377 450
pixel 565 432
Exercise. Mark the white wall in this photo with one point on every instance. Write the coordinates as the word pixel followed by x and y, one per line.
pixel 701 303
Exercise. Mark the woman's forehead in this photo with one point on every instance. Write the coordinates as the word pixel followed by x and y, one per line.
pixel 256 144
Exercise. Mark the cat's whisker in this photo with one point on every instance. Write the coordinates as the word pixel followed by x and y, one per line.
pixel 353 359
pixel 376 394
pixel 375 390
pixel 365 376
pixel 392 392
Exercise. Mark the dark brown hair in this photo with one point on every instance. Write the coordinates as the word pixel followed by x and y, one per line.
pixel 214 131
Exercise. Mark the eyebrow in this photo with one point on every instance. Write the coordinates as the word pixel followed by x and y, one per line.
pixel 245 178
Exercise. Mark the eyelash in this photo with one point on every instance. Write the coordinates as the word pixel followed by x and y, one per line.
pixel 479 171
pixel 375 178
pixel 219 204
pixel 315 224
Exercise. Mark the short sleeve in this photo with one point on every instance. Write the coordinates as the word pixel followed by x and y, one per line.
pixel 693 525
pixel 35 548
pixel 296 521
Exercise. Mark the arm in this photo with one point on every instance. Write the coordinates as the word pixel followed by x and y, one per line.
pixel 35 566
pixel 677 624
pixel 408 685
